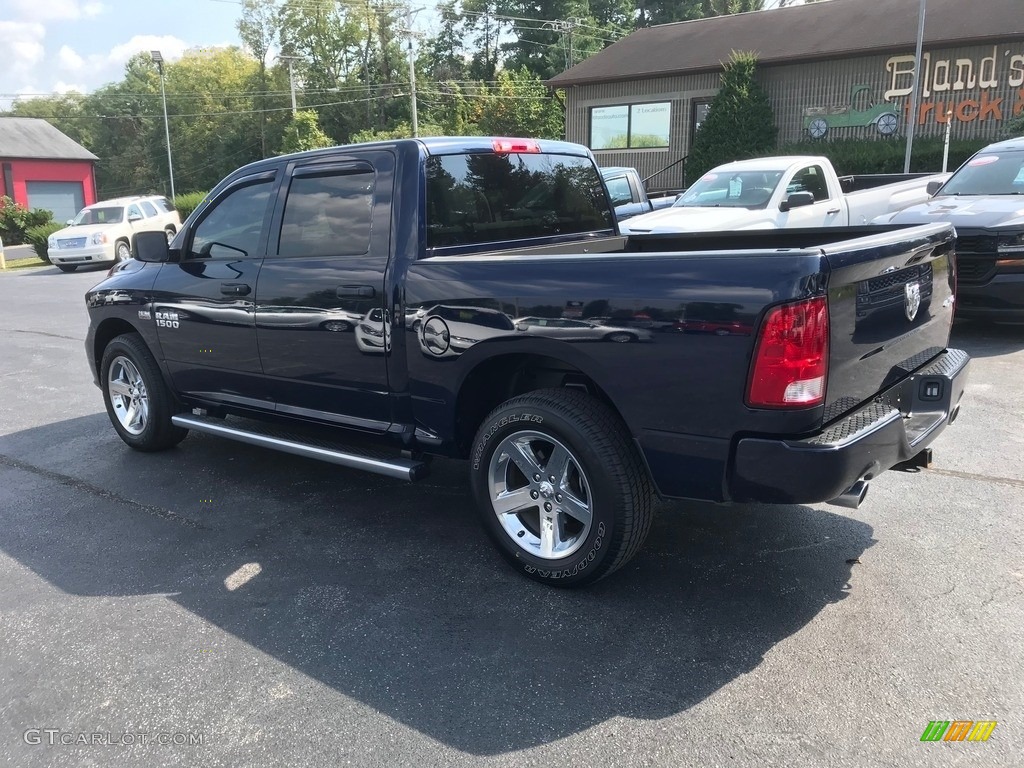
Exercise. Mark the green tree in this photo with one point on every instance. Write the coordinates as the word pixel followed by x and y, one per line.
pixel 213 126
pixel 519 105
pixel 740 121
pixel 303 133
pixel 64 112
pixel 129 137
pixel 258 29
pixel 650 14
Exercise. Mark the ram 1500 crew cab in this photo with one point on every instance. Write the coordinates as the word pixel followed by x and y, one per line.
pixel 432 264
pixel 783 192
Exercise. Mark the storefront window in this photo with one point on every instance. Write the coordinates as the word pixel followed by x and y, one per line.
pixel 633 126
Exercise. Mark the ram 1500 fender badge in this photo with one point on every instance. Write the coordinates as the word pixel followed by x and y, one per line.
pixel 167 319
pixel 913 300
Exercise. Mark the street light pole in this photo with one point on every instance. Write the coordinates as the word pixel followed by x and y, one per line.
pixel 159 59
pixel 915 95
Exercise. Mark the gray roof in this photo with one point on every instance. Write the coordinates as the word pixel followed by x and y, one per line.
pixel 33 138
pixel 830 29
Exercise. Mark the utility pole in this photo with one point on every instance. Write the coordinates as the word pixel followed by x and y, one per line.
pixel 409 13
pixel 912 121
pixel 565 29
pixel 291 79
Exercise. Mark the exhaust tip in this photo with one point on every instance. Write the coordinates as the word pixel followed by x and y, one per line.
pixel 853 497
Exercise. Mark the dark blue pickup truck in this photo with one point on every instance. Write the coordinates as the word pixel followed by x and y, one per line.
pixel 376 305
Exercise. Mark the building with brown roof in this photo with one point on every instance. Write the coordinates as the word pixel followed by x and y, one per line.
pixel 838 68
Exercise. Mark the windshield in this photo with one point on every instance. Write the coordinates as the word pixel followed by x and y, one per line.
pixel 989 174
pixel 733 189
pixel 99 215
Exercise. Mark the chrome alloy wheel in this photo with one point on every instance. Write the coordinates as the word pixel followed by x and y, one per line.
pixel 128 396
pixel 540 494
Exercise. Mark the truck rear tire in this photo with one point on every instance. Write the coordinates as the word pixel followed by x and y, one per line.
pixel 560 487
pixel 139 403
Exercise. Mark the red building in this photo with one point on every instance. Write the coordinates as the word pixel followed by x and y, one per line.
pixel 40 167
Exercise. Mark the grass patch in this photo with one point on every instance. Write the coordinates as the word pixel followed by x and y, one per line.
pixel 26 263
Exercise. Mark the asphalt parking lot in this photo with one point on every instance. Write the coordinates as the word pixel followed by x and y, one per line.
pixel 287 612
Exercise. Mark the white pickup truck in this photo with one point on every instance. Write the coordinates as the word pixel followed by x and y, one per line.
pixel 783 192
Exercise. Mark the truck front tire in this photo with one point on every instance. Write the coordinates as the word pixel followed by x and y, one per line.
pixel 139 404
pixel 560 487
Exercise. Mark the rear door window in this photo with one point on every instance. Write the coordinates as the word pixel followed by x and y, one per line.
pixel 148 208
pixel 328 212
pixel 490 198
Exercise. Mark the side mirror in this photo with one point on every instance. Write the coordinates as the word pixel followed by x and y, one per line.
pixel 521 326
pixel 933 187
pixel 796 200
pixel 152 247
pixel 134 217
pixel 69 222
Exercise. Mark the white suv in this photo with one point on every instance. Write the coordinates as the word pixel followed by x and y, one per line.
pixel 104 232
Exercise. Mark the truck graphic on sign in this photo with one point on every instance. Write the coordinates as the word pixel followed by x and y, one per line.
pixel 859 113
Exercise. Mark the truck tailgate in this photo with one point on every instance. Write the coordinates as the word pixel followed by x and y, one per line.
pixel 890 301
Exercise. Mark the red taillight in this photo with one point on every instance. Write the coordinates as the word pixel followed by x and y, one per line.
pixel 504 146
pixel 791 358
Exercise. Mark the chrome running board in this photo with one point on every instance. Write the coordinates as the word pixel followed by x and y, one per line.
pixel 399 468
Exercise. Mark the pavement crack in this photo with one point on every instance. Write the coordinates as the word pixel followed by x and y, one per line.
pixel 983 478
pixel 793 549
pixel 81 485
pixel 42 333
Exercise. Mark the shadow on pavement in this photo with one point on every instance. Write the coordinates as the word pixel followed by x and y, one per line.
pixel 390 594
pixel 984 339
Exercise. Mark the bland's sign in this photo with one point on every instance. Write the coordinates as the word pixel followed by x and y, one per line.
pixel 969 85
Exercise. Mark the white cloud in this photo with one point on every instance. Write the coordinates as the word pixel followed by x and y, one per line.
pixel 171 47
pixel 24 40
pixel 61 87
pixel 69 60
pixel 57 10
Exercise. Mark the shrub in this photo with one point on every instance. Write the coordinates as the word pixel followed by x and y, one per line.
pixel 740 121
pixel 851 156
pixel 188 202
pixel 15 219
pixel 39 235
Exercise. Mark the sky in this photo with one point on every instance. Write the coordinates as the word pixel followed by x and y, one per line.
pixel 54 46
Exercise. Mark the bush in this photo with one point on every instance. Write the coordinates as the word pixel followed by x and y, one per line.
pixel 39 235
pixel 740 121
pixel 15 219
pixel 188 202
pixel 850 156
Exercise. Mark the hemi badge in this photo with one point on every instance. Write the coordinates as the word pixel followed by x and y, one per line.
pixel 145 314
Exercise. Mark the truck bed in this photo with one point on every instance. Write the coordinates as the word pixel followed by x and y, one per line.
pixel 707 294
